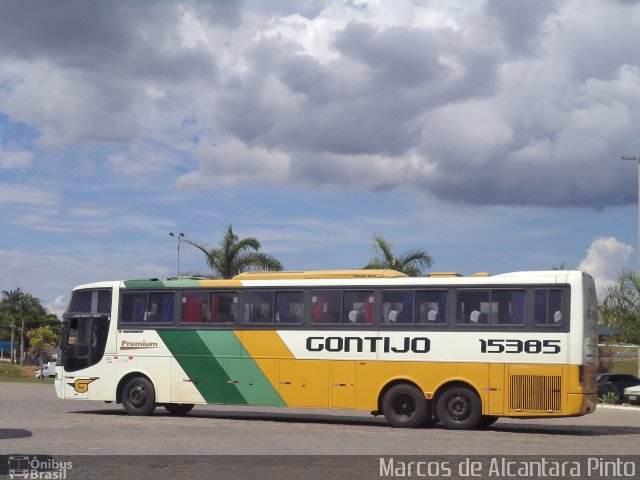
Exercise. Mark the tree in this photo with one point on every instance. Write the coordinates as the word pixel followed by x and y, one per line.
pixel 620 307
pixel 41 339
pixel 413 262
pixel 235 256
pixel 18 306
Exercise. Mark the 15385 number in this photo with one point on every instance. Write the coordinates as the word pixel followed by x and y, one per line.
pixel 512 345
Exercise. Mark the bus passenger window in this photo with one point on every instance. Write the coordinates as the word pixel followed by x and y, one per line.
pixel 258 307
pixel 548 307
pixel 195 307
pixel 358 307
pixel 160 307
pixel 431 307
pixel 397 306
pixel 473 306
pixel 289 307
pixel 325 306
pixel 508 307
pixel 224 307
pixel 134 306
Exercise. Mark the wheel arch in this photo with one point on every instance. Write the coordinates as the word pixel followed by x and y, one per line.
pixel 456 383
pixel 128 376
pixel 392 383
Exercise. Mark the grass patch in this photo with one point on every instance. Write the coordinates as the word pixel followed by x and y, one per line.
pixel 16 373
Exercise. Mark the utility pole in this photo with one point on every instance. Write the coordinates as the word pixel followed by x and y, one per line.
pixel 636 159
pixel 179 236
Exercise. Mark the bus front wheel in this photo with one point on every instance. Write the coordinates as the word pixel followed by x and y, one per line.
pixel 139 396
pixel 459 408
pixel 178 408
pixel 404 405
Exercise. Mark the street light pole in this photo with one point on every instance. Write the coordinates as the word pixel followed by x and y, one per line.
pixel 179 236
pixel 636 159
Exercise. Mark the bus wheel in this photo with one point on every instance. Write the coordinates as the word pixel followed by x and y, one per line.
pixel 459 408
pixel 404 405
pixel 139 396
pixel 178 408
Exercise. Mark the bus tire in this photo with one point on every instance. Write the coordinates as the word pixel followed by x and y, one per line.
pixel 404 406
pixel 178 408
pixel 459 408
pixel 139 396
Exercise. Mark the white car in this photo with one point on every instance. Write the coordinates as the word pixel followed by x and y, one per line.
pixel 632 394
pixel 47 370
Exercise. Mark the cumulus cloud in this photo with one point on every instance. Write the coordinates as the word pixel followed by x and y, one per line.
pixel 478 103
pixel 606 257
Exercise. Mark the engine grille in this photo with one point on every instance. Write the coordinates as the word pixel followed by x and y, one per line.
pixel 535 393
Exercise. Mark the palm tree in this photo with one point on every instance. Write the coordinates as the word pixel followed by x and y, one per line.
pixel 236 255
pixel 412 262
pixel 15 306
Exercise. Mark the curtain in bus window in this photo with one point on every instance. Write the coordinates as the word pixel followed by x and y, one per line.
pixel 317 308
pixel 442 308
pixel 139 308
pixel 166 308
pixel 192 310
pixel 368 308
pixel 407 308
pixel 214 308
pixel 518 306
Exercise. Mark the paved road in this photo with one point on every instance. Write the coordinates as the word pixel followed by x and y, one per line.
pixel 34 421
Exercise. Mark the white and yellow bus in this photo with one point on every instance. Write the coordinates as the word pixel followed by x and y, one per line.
pixel 446 348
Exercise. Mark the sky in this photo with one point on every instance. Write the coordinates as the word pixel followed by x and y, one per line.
pixel 488 133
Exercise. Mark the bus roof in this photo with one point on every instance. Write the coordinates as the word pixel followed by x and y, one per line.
pixel 345 277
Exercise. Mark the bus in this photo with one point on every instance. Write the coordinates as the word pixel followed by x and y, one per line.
pixel 459 350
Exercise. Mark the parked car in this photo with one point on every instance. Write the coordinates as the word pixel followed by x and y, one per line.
pixel 632 394
pixel 47 370
pixel 615 384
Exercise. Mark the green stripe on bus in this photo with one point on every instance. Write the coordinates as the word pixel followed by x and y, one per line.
pixel 204 370
pixel 220 367
pixel 252 383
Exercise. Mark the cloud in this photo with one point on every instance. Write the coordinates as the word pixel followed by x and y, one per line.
pixel 606 257
pixel 14 159
pixel 25 194
pixel 480 104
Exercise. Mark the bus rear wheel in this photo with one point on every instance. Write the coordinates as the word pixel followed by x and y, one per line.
pixel 404 406
pixel 459 408
pixel 139 396
pixel 178 408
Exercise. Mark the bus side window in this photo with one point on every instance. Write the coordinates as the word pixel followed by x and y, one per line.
pixel 431 307
pixel 472 306
pixel 258 307
pixel 325 306
pixel 224 307
pixel 397 306
pixel 195 307
pixel 358 307
pixel 289 307
pixel 134 306
pixel 160 307
pixel 548 307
